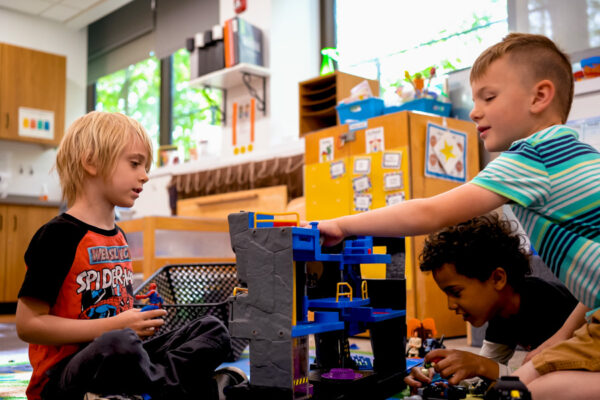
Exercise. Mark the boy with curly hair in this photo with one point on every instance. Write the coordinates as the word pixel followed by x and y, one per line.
pixel 75 306
pixel 482 268
pixel 522 92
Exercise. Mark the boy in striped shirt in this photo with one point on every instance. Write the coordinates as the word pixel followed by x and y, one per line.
pixel 522 91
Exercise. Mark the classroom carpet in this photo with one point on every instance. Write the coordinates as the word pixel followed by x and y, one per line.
pixel 15 370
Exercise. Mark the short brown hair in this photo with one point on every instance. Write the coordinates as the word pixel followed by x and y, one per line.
pixel 540 56
pixel 99 137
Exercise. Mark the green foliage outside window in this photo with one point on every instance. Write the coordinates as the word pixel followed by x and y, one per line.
pixel 133 91
pixel 406 36
pixel 193 108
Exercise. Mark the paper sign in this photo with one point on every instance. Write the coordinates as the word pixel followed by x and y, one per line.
pixel 326 146
pixel 374 140
pixel 392 160
pixel 446 153
pixel 362 202
pixel 337 169
pixel 362 165
pixel 361 184
pixel 395 198
pixel 392 181
pixel 36 123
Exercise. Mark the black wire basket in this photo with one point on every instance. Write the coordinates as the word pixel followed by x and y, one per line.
pixel 190 291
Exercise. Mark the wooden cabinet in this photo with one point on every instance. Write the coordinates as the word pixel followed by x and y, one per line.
pixel 158 241
pixel 330 194
pixel 34 80
pixel 18 224
pixel 273 198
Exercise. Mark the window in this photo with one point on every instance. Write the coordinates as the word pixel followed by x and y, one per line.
pixel 389 37
pixel 133 91
pixel 196 112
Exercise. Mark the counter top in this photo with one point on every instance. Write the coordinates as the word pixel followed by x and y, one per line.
pixel 27 201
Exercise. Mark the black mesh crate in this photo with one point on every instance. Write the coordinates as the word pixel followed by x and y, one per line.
pixel 190 291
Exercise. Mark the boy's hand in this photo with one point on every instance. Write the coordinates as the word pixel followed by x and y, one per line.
pixel 331 233
pixel 416 378
pixel 456 365
pixel 144 323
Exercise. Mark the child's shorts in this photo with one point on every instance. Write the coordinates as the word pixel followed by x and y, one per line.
pixel 582 351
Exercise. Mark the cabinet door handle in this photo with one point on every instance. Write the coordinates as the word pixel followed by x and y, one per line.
pixel 1 223
pixel 15 219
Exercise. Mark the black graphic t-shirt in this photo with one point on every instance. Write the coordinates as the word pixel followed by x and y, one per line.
pixel 544 308
pixel 82 272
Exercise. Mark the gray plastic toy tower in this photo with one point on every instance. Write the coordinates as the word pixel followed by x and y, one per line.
pixel 271 257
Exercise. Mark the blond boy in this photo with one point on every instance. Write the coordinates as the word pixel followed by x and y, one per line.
pixel 75 307
pixel 522 91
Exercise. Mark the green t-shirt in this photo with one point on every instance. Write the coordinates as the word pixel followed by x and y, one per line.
pixel 553 183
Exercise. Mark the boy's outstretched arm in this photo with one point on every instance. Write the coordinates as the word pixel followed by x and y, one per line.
pixel 36 325
pixel 415 217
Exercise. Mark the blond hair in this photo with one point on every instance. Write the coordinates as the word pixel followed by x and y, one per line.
pixel 98 138
pixel 541 57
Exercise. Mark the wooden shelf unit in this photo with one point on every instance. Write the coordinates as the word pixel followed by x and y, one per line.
pixel 157 232
pixel 269 199
pixel 319 96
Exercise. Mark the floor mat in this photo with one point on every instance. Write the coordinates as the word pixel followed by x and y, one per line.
pixel 15 370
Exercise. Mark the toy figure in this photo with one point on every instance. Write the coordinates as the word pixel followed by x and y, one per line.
pixel 432 343
pixel 425 331
pixel 154 299
pixel 414 346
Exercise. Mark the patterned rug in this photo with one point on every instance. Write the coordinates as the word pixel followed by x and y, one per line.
pixel 15 371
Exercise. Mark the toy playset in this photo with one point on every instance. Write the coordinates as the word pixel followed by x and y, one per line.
pixel 295 290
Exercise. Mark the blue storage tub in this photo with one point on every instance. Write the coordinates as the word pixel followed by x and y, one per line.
pixel 591 67
pixel 425 105
pixel 360 110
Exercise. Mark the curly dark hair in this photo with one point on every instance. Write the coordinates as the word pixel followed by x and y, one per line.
pixel 476 248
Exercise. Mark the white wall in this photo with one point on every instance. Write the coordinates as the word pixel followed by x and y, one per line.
pixel 45 35
pixel 291 53
pixel 295 57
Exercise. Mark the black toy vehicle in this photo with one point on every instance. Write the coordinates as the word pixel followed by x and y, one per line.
pixel 438 390
pixel 507 388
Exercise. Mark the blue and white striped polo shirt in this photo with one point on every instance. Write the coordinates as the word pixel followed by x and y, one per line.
pixel 553 182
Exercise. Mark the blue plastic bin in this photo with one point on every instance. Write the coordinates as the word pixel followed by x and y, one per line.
pixel 360 110
pixel 425 105
pixel 591 67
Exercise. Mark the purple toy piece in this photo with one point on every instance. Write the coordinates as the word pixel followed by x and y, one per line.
pixel 345 374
